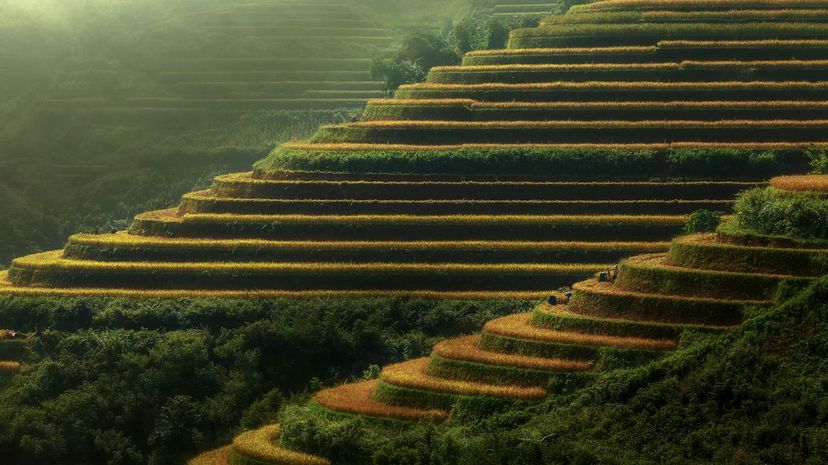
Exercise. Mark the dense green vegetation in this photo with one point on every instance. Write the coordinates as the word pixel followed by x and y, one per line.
pixel 115 381
pixel 780 213
pixel 750 397
pixel 559 162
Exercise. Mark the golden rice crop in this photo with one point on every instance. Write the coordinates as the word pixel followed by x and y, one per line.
pixel 776 15
pixel 419 102
pixel 128 240
pixel 6 288
pixel 213 457
pixel 351 147
pixel 594 287
pixel 588 85
pixel 559 67
pixel 356 398
pixel 437 219
pixel 519 326
pixel 672 66
pixel 411 374
pixel 758 124
pixel 673 104
pixel 259 445
pixel 467 348
pixel 771 43
pixel 699 4
pixel 564 51
pixel 53 260
pixel 759 64
pixel 7 366
pixel 806 183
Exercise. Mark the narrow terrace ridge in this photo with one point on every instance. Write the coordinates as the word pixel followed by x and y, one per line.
pixel 356 398
pixel 519 326
pixel 413 375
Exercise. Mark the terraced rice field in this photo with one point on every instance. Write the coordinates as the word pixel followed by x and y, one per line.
pixel 478 181
pixel 255 57
pixel 724 81
pixel 639 315
pixel 264 236
pixel 524 8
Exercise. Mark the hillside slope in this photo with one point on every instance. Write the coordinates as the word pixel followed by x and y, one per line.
pixel 596 377
pixel 479 179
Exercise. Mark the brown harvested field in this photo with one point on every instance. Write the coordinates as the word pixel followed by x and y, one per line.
pixel 356 398
pixel 468 349
pixel 808 183
pixel 412 375
pixel 260 445
pixel 518 326
pixel 213 457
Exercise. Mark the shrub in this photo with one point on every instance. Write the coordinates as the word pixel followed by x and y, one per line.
pixel 772 212
pixel 417 54
pixel 702 221
pixel 818 159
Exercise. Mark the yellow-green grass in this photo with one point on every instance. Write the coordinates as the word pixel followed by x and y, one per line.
pixel 598 299
pixel 413 375
pixel 621 90
pixel 648 67
pixel 816 183
pixel 683 71
pixel 278 183
pixel 355 398
pixel 123 239
pixel 662 16
pixel 652 274
pixel 678 5
pixel 579 35
pixel 729 232
pixel 206 202
pixel 743 44
pixel 519 326
pixel 127 247
pixel 663 50
pixel 409 227
pixel 479 105
pixel 622 50
pixel 51 270
pixel 671 50
pixel 8 289
pixel 355 147
pixel 704 251
pixel 561 318
pixel 212 457
pixel 54 260
pixel 464 359
pixel 469 110
pixel 468 349
pixel 259 447
pixel 417 131
pixel 456 125
pixel 431 219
